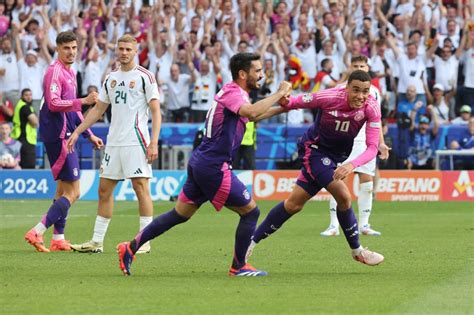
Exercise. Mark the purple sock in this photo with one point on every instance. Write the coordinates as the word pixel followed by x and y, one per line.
pixel 58 209
pixel 274 220
pixel 348 222
pixel 243 236
pixel 60 225
pixel 158 226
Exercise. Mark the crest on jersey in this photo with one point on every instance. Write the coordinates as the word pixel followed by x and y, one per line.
pixel 132 84
pixel 326 161
pixel 113 84
pixel 53 88
pixel 307 97
pixel 359 116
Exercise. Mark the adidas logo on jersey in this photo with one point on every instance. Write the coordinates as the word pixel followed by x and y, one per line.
pixel 138 171
pixel 333 113
pixel 122 83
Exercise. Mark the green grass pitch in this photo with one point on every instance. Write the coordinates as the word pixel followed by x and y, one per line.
pixel 428 268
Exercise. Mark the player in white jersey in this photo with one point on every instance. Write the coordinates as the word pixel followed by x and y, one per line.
pixel 365 172
pixel 132 92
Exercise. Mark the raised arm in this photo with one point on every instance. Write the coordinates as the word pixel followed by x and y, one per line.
pixel 253 111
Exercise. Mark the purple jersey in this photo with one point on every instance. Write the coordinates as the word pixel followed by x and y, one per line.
pixel 224 128
pixel 337 124
pixel 61 111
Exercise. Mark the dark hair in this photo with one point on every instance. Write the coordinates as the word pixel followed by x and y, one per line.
pixel 359 58
pixel 24 91
pixel 359 75
pixel 325 62
pixel 65 37
pixel 241 61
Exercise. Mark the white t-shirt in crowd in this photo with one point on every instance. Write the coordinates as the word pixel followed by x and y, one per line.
pixel 32 77
pixel 178 92
pixel 411 72
pixel 92 76
pixel 164 63
pixel 446 72
pixel 468 61
pixel 129 94
pixel 10 81
pixel 442 112
pixel 204 90
pixel 307 58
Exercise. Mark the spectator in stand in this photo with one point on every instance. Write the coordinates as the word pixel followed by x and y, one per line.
pixel 421 150
pixel 6 110
pixel 409 104
pixel 204 90
pixel 9 148
pixel 465 141
pixel 178 93
pixel 465 115
pixel 441 109
pixel 9 75
pixel 25 124
pixel 466 91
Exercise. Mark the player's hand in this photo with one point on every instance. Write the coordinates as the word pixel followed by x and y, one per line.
pixel 285 87
pixel 71 142
pixel 384 151
pixel 342 171
pixel 96 142
pixel 90 99
pixel 284 101
pixel 152 152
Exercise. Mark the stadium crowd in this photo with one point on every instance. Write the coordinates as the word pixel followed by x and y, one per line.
pixel 421 55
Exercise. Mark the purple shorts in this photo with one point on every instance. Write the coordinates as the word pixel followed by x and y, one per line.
pixel 219 186
pixel 317 169
pixel 65 166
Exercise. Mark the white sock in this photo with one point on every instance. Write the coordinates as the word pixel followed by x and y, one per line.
pixel 144 221
pixel 100 228
pixel 364 203
pixel 40 228
pixel 332 212
pixel 357 251
pixel 58 237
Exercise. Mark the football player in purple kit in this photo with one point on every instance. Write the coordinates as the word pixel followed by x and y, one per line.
pixel 342 111
pixel 60 114
pixel 210 176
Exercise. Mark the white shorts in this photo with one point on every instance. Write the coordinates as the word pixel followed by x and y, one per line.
pixel 369 167
pixel 124 162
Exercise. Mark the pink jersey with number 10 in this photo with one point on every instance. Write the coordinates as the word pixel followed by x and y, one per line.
pixel 337 124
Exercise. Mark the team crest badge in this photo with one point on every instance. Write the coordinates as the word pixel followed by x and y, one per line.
pixel 246 194
pixel 307 97
pixel 54 88
pixel 113 84
pixel 326 161
pixel 359 116
pixel 75 171
pixel 132 84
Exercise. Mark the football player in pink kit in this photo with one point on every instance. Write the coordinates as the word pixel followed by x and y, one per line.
pixel 342 111
pixel 210 176
pixel 59 115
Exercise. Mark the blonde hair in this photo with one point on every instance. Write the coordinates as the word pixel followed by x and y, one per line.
pixel 127 38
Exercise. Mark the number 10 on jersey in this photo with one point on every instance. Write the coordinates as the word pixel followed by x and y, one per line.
pixel 342 126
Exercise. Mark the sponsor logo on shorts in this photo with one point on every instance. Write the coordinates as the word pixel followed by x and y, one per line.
pixel 359 116
pixel 54 88
pixel 75 171
pixel 138 171
pixel 246 194
pixel 113 84
pixel 307 97
pixel 132 84
pixel 326 161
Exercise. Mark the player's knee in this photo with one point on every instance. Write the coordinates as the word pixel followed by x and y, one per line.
pixel 72 196
pixel 344 201
pixel 140 187
pixel 293 207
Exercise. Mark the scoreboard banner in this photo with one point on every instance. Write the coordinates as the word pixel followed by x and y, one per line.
pixel 396 185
